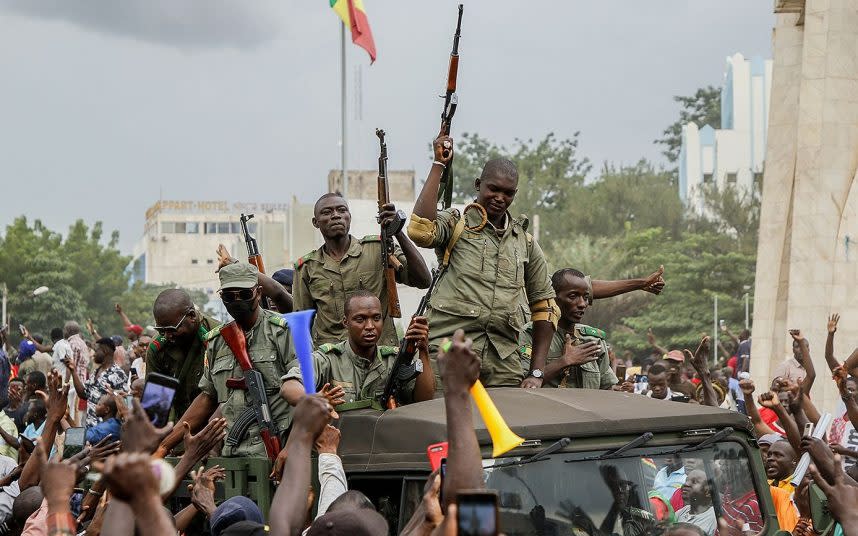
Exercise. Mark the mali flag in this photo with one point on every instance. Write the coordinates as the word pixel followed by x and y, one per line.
pixel 354 16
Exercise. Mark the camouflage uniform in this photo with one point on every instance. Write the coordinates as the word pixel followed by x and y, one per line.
pixel 361 379
pixel 492 279
pixel 269 345
pixel 593 375
pixel 323 284
pixel 185 365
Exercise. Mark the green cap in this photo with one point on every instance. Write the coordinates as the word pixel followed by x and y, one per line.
pixel 238 275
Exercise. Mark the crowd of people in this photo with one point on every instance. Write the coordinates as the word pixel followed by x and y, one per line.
pixel 496 314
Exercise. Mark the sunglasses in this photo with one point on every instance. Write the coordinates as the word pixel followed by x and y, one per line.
pixel 163 330
pixel 244 294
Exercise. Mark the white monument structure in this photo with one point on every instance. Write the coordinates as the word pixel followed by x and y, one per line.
pixel 735 153
pixel 807 256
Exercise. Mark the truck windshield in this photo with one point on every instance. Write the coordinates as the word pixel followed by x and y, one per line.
pixel 634 495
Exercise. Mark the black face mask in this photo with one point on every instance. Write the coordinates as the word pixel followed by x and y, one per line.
pixel 241 309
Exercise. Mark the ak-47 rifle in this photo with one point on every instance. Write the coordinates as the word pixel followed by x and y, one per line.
pixel 404 369
pixel 451 100
pixel 253 255
pixel 389 229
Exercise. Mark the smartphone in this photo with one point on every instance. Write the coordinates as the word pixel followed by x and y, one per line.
pixel 680 398
pixel 808 429
pixel 436 453
pixel 75 440
pixel 134 371
pixel 158 394
pixel 723 325
pixel 477 513
pixel 640 378
pixel 621 373
pixel 22 329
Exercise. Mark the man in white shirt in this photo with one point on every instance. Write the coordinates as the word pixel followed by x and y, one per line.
pixel 698 509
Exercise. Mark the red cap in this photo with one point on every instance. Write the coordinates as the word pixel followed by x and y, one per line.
pixel 134 328
pixel 675 355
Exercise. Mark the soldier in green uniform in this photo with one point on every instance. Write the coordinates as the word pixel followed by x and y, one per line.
pixel 578 355
pixel 325 277
pixel 179 349
pixel 270 349
pixel 497 276
pixel 356 370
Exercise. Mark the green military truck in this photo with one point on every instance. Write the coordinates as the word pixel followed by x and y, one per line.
pixel 608 478
pixel 593 463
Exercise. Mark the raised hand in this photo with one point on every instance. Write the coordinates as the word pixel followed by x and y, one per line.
pixel 138 433
pixel 328 441
pixel 654 284
pixel 796 335
pixel 842 497
pixel 57 481
pixel 58 397
pixel 311 415
pixel 129 476
pixel 223 257
pixel 203 488
pixel 198 446
pixel 442 148
pixel 459 365
pixel 747 387
pixel 768 400
pixel 418 331
pixel 581 353
pixel 699 360
pixel 832 323
pixel 335 395
pixel 103 449
pixel 118 308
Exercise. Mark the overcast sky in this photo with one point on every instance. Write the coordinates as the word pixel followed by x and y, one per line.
pixel 106 104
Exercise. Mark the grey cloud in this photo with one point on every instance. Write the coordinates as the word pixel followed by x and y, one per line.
pixel 180 23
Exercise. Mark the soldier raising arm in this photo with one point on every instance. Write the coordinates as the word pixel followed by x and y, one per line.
pixel 345 264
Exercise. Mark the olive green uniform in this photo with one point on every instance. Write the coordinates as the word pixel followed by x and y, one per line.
pixel 269 345
pixel 593 375
pixel 492 277
pixel 360 378
pixel 166 358
pixel 323 284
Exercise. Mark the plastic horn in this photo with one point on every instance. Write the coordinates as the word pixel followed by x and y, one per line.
pixel 299 327
pixel 804 462
pixel 503 439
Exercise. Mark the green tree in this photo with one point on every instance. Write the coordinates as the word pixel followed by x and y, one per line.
pixel 729 210
pixel 702 108
pixel 698 267
pixel 63 301
pixel 626 198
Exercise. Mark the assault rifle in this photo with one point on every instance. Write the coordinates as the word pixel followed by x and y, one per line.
pixel 404 369
pixel 254 257
pixel 451 100
pixel 389 230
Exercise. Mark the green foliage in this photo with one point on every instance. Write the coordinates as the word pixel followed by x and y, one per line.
pixel 85 274
pixel 702 108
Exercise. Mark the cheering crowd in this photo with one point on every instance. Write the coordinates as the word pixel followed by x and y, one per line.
pixel 496 314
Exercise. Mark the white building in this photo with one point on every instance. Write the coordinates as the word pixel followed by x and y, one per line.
pixel 735 153
pixel 180 238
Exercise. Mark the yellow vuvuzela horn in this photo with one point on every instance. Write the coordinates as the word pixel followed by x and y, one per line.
pixel 503 439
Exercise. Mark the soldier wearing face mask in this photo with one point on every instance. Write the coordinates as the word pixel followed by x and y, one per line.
pixel 269 346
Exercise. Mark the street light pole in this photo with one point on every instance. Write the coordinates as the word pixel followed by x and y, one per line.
pixel 747 311
pixel 715 330
pixel 5 291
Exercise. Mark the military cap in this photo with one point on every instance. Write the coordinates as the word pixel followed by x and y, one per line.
pixel 238 275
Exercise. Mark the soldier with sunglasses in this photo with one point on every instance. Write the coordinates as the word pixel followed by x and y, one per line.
pixel 269 346
pixel 179 348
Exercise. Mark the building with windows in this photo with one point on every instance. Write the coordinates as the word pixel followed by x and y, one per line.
pixel 180 238
pixel 733 155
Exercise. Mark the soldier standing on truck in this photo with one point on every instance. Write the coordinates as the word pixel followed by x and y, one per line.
pixel 497 274
pixel 326 277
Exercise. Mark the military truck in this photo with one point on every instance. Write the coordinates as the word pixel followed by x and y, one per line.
pixel 593 463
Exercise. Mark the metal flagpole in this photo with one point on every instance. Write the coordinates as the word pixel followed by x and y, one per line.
pixel 343 162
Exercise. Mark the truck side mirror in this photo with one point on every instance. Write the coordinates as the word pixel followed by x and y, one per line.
pixel 819 514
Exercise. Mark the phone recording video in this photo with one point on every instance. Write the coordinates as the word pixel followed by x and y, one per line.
pixel 75 440
pixel 436 453
pixel 621 373
pixel 157 398
pixel 477 513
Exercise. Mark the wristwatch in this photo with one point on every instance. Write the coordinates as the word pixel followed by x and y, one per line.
pixel 536 373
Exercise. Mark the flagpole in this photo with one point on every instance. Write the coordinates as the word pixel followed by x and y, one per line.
pixel 343 157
